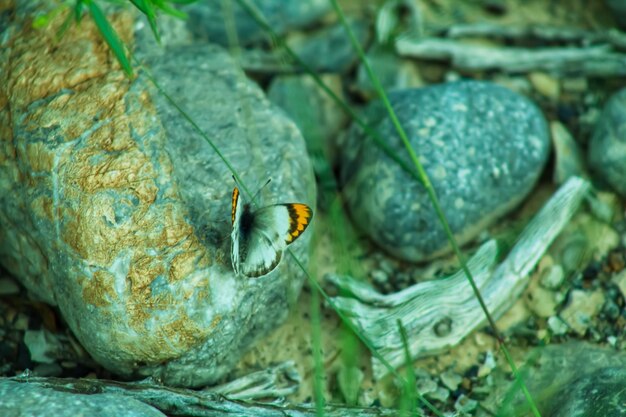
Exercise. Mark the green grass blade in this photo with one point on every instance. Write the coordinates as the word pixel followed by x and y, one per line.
pixel 172 11
pixel 409 391
pixel 145 6
pixel 318 361
pixel 109 35
pixel 197 128
pixel 371 132
pixel 431 194
pixel 349 324
pixel 78 10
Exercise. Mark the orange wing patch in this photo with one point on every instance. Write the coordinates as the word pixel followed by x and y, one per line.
pixel 235 199
pixel 299 217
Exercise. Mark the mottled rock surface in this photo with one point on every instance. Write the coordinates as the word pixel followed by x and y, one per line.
pixel 114 209
pixel 482 145
pixel 575 379
pixel 19 399
pixel 330 49
pixel 607 149
pixel 208 19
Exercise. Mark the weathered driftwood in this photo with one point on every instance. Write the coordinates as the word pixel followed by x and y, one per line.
pixel 191 403
pixel 598 60
pixel 439 314
pixel 545 34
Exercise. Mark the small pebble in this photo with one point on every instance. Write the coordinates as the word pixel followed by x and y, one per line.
pixel 426 386
pixel 379 277
pixel 450 379
pixel 619 279
pixel 552 277
pixel 583 306
pixel 545 84
pixel 611 340
pixel 610 309
pixel 488 365
pixel 386 266
pixel 465 404
pixel 616 261
pixel 440 394
pixel 557 326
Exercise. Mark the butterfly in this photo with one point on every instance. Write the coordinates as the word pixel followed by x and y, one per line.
pixel 260 236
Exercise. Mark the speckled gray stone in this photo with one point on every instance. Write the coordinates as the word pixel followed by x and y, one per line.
pixel 482 145
pixel 574 379
pixel 115 210
pixel 600 394
pixel 19 399
pixel 607 149
pixel 207 19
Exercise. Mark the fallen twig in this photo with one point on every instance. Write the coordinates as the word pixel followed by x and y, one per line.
pixel 438 314
pixel 192 403
pixel 599 60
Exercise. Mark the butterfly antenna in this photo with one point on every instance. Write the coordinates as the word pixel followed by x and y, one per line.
pixel 260 189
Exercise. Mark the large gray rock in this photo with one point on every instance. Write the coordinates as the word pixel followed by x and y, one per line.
pixel 607 149
pixel 114 209
pixel 20 399
pixel 482 145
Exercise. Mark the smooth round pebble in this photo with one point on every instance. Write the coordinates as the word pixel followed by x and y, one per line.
pixel 482 145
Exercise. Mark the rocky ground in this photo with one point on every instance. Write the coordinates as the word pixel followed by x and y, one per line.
pixel 571 317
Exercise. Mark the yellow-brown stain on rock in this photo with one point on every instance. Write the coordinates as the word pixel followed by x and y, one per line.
pixel 168 341
pixel 99 289
pixel 43 207
pixel 143 270
pixel 39 157
pixel 95 170
pixel 182 265
pixel 40 65
pixel 107 186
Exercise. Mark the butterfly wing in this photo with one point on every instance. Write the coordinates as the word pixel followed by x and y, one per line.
pixel 260 247
pixel 236 212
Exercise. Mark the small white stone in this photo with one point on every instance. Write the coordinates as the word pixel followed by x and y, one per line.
pixel 619 279
pixel 552 277
pixel 557 326
pixel 545 84
pixel 451 380
pixel 583 306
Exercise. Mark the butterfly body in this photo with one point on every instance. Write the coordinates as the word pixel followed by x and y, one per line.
pixel 259 237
